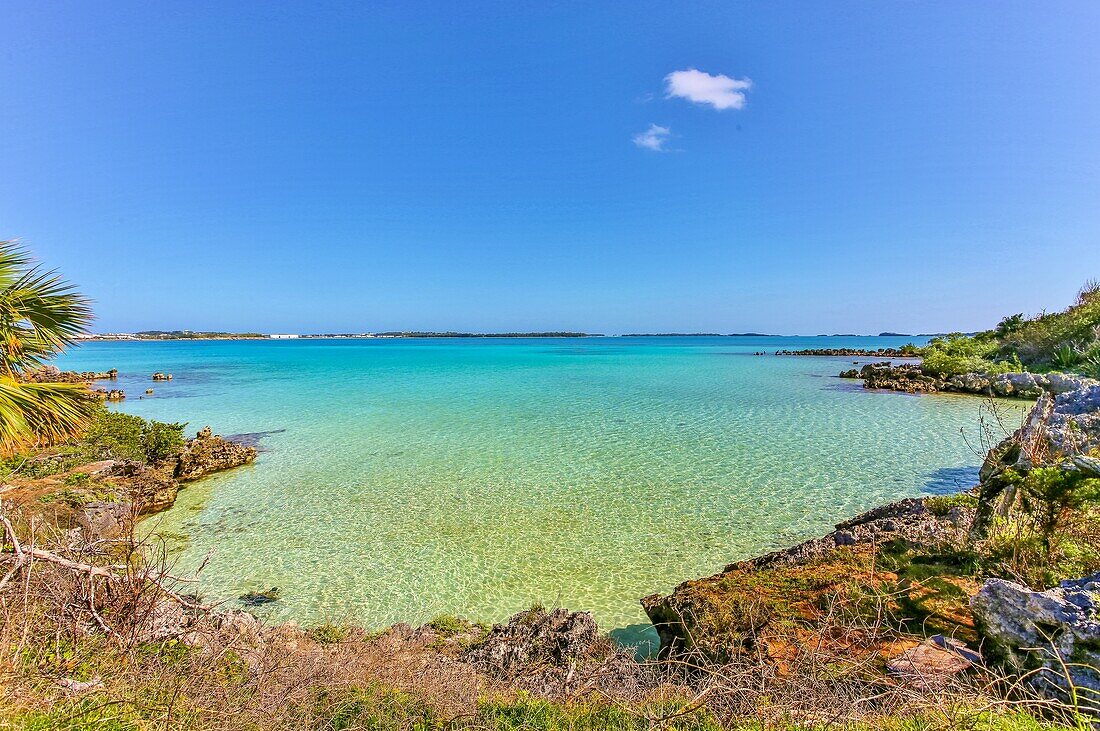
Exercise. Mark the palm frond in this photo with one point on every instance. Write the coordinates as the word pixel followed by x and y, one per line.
pixel 39 414
pixel 40 313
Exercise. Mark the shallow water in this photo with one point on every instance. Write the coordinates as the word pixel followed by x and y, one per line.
pixel 410 478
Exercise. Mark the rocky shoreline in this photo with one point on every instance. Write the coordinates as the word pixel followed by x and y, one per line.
pixel 853 352
pixel 750 605
pixel 909 378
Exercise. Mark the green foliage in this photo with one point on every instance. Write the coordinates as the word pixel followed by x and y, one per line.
pixel 115 435
pixel 449 625
pixel 1065 357
pixel 162 441
pixel 1067 341
pixel 942 363
pixel 328 634
pixel 1048 496
pixel 1010 324
pixel 77 479
pixel 941 505
pixel 1058 340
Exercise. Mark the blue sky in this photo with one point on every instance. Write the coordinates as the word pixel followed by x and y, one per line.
pixel 370 166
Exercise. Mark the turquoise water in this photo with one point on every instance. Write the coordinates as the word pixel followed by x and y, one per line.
pixel 410 478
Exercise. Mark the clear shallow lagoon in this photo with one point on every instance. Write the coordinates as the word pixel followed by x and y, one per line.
pixel 411 478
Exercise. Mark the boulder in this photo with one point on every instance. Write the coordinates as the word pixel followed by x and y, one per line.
pixel 101 519
pixel 537 637
pixel 158 376
pixel 1054 632
pixel 208 453
pixel 151 489
pixel 555 653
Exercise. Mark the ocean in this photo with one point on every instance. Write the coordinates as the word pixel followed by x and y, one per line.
pixel 404 479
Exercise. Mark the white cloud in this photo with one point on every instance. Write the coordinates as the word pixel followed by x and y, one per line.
pixel 721 92
pixel 653 138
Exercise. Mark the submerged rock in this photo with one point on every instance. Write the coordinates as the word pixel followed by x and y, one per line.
pixel 1055 632
pixel 259 598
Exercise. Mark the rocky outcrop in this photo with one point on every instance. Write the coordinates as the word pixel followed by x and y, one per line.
pixel 1053 632
pixel 158 376
pixel 1061 428
pixel 151 489
pixel 851 352
pixel 909 378
pixel 53 374
pixel 550 652
pixel 751 603
pixel 208 453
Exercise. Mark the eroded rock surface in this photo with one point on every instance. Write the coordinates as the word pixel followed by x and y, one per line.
pixel 1031 630
pixel 551 651
pixel 208 453
pixel 909 378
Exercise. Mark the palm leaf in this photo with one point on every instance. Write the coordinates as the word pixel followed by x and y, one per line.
pixel 40 313
pixel 39 414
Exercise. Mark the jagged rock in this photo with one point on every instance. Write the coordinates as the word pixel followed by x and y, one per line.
pixel 909 378
pixel 151 489
pixel 554 652
pixel 208 453
pixel 53 374
pixel 536 637
pixel 158 376
pixel 1030 630
pixel 909 519
pixel 104 519
pixel 1056 428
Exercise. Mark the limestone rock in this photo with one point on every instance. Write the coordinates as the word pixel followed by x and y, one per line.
pixel 1029 630
pixel 553 653
pixel 208 453
pixel 1066 426
pixel 536 637
pixel 100 519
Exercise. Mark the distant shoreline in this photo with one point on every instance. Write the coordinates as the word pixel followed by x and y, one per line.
pixel 414 335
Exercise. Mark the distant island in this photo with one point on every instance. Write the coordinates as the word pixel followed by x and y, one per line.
pixel 204 335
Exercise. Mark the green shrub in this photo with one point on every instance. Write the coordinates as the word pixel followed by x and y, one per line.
pixel 116 435
pixel 941 505
pixel 328 634
pixel 162 441
pixel 1050 494
pixel 941 363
